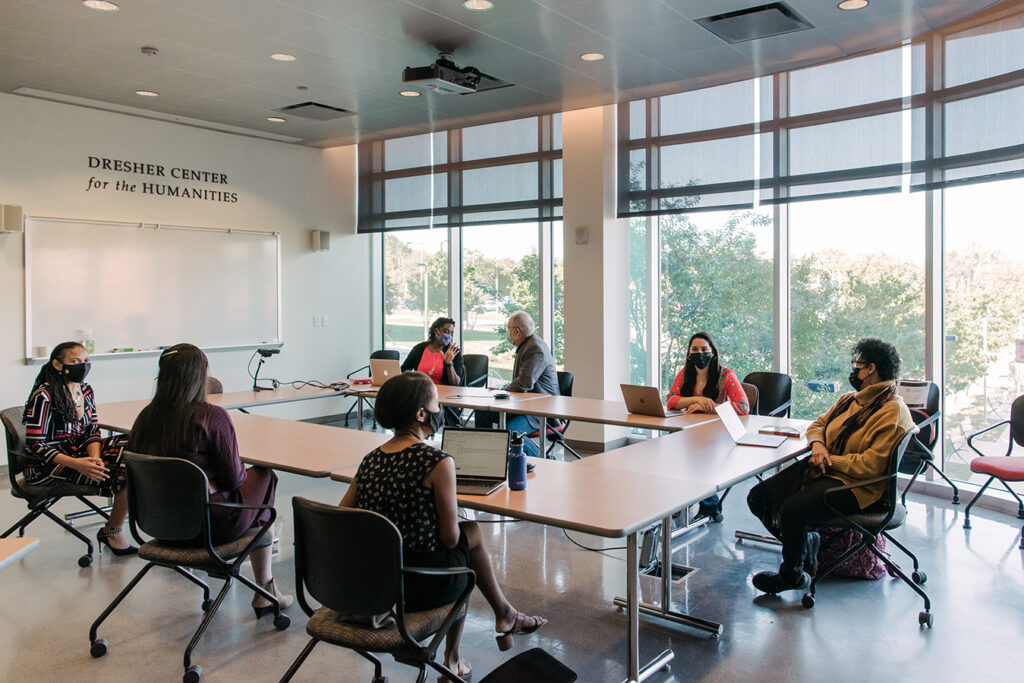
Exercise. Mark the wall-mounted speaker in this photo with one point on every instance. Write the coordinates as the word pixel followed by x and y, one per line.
pixel 11 219
pixel 321 240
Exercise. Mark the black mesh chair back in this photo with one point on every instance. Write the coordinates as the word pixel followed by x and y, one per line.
pixel 167 497
pixel 15 430
pixel 214 386
pixel 348 560
pixel 476 365
pixel 774 392
pixel 1017 420
pixel 565 382
pixel 385 354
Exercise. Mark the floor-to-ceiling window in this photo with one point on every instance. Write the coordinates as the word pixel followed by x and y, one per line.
pixel 415 285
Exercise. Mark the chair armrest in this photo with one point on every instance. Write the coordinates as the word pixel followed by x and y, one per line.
pixel 987 429
pixel 452 615
pixel 265 527
pixel 781 409
pixel 437 571
pixel 243 506
pixel 349 375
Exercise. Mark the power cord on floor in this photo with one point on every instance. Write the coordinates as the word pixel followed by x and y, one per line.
pixel 593 550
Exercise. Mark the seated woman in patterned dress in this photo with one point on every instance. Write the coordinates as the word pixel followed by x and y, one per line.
pixel 63 439
pixel 413 485
pixel 702 384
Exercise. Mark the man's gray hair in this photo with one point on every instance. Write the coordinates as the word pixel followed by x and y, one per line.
pixel 522 321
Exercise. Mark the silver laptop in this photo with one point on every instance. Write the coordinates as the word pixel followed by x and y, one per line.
pixel 481 458
pixel 383 369
pixel 644 400
pixel 739 433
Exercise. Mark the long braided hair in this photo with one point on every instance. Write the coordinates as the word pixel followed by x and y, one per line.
pixel 60 395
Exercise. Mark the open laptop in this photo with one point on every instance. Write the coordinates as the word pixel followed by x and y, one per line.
pixel 644 400
pixel 739 433
pixel 481 458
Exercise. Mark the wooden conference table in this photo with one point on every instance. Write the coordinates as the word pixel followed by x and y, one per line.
pixel 614 494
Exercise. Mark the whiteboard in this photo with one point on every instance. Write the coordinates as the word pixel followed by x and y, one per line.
pixel 145 286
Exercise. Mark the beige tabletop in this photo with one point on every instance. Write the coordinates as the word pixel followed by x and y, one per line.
pixel 606 503
pixel 301 447
pixel 13 548
pixel 604 412
pixel 705 453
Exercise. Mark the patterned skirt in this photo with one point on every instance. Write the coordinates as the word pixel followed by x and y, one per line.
pixel 111 452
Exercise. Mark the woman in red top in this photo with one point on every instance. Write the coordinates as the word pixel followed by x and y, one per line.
pixel 440 359
pixel 701 385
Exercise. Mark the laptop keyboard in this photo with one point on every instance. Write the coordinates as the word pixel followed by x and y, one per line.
pixel 470 481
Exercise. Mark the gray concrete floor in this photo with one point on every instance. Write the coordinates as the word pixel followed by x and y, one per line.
pixel 858 631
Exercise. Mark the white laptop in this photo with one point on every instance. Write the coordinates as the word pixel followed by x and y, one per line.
pixel 644 400
pixel 739 433
pixel 481 458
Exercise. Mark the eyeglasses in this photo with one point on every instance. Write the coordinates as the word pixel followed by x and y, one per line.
pixel 858 363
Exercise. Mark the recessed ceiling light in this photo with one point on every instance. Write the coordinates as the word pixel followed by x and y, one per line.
pixel 850 5
pixel 591 56
pixel 147 93
pixel 101 5
pixel 409 93
pixel 478 5
pixel 276 119
pixel 282 57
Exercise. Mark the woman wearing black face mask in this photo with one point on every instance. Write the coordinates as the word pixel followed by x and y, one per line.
pixel 850 443
pixel 63 438
pixel 413 485
pixel 703 382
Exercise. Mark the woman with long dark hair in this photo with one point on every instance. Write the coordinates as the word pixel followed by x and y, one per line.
pixel 413 485
pixel 179 423
pixel 850 443
pixel 63 439
pixel 702 384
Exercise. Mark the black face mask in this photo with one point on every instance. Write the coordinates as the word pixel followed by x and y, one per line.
pixel 700 360
pixel 855 381
pixel 76 373
pixel 435 420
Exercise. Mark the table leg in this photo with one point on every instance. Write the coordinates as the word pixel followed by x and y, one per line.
pixel 634 672
pixel 501 420
pixel 359 411
pixel 543 432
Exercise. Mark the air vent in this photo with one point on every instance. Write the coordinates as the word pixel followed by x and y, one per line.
pixel 773 19
pixel 316 111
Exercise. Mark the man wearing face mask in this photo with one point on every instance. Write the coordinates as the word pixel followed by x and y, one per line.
pixel 62 437
pixel 533 371
pixel 440 359
pixel 850 443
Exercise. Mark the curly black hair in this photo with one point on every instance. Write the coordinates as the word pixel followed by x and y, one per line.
pixel 882 354
pixel 436 326
pixel 400 398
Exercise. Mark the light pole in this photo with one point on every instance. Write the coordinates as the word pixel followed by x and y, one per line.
pixel 426 301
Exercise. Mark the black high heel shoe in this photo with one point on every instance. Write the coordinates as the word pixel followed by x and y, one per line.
pixel 284 600
pixel 103 538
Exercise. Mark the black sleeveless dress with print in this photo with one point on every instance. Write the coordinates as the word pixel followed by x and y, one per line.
pixel 391 484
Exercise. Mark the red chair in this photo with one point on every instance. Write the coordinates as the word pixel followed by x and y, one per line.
pixel 557 434
pixel 1005 468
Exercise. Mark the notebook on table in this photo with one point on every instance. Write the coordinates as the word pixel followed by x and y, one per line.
pixel 644 400
pixel 481 458
pixel 739 433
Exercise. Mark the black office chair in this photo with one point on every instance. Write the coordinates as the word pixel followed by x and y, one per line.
pixel 39 498
pixel 1004 467
pixel 168 499
pixel 380 354
pixel 876 520
pixel 350 561
pixel 556 432
pixel 920 454
pixel 774 393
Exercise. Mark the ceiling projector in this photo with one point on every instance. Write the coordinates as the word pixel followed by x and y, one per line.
pixel 443 77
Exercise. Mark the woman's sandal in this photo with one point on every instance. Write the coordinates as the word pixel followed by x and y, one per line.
pixel 504 639
pixel 465 674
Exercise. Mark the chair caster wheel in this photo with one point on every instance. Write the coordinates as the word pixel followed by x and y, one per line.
pixel 193 674
pixel 925 619
pixel 382 679
pixel 919 577
pixel 207 604
pixel 717 518
pixel 807 601
pixel 98 647
pixel 85 560
pixel 281 622
pixel 956 500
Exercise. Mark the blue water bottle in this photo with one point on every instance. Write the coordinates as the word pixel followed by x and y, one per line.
pixel 516 463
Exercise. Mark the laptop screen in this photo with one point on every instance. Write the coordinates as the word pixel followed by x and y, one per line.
pixel 477 452
pixel 731 420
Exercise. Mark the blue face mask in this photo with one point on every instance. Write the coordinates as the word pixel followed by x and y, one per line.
pixel 445 338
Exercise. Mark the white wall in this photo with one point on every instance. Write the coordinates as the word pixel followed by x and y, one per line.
pixel 44 148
